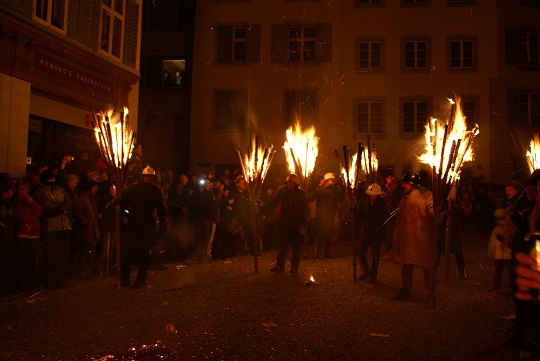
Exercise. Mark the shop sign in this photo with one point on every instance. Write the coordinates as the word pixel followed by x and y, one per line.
pixel 73 74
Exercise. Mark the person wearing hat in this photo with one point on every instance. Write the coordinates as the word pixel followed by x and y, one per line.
pixel 58 209
pixel 414 237
pixel 292 222
pixel 326 207
pixel 370 216
pixel 139 203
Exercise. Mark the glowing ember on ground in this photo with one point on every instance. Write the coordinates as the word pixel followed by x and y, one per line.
pixel 533 155
pixel 301 150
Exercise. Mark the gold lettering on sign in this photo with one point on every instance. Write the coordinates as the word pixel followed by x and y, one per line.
pixel 55 67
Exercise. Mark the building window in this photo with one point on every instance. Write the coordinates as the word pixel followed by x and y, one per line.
pixel 51 12
pixel 416 54
pixel 238 44
pixel 412 3
pixel 530 3
pixel 300 106
pixel 302 43
pixel 369 116
pixel 529 108
pixel 462 54
pixel 461 2
pixel 469 108
pixel 112 26
pixel 529 48
pixel 173 73
pixel 230 109
pixel 177 15
pixel 415 116
pixel 366 3
pixel 299 44
pixel 369 54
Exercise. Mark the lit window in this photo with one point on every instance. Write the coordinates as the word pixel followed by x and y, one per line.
pixel 173 73
pixel 52 12
pixel 112 26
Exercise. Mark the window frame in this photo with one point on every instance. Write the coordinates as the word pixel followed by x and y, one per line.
pixel 476 112
pixel 302 40
pixel 528 114
pixel 240 91
pixel 415 3
pixel 382 54
pixel 370 4
pixel 528 45
pixel 429 110
pixel 48 23
pixel 458 3
pixel 416 40
pixel 370 100
pixel 112 11
pixel 474 53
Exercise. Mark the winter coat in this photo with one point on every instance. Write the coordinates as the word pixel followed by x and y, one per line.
pixel 86 229
pixel 326 205
pixel 30 213
pixel 57 206
pixel 294 208
pixel 414 232
pixel 370 219
pixel 140 201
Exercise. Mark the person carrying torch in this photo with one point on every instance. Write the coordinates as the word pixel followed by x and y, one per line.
pixel 292 222
pixel 414 237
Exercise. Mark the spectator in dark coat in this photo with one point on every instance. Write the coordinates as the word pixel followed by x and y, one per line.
pixel 370 217
pixel 139 202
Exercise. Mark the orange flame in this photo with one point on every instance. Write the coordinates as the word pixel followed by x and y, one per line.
pixel 301 150
pixel 350 175
pixel 256 161
pixel 452 135
pixel 533 155
pixel 114 137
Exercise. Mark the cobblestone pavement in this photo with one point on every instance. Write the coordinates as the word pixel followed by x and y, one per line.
pixel 222 310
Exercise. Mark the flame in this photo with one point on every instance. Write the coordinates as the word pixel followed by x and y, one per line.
pixel 301 150
pixel 312 279
pixel 256 161
pixel 533 155
pixel 349 175
pixel 114 137
pixel 448 144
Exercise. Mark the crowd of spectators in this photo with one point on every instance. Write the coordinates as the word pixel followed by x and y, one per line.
pixel 59 222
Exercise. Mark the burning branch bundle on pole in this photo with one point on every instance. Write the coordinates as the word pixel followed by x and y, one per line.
pixel 533 155
pixel 448 146
pixel 255 163
pixel 114 137
pixel 301 151
pixel 364 160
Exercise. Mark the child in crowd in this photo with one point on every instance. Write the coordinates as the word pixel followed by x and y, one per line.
pixel 499 249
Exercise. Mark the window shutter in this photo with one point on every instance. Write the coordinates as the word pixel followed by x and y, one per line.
pixel 131 34
pixel 513 106
pixel 324 42
pixel 512 46
pixel 84 22
pixel 280 44
pixel 224 44
pixel 253 44
pixel 23 7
